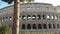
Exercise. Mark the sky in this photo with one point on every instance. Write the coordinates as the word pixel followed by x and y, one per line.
pixel 54 2
pixel 4 4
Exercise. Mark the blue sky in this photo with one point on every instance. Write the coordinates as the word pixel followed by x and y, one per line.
pixel 4 4
pixel 54 2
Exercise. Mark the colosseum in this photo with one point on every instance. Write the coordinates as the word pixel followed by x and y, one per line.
pixel 35 18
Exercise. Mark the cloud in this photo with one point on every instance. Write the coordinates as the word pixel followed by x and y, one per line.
pixel 54 2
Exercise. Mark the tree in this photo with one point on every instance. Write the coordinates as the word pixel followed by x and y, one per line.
pixel 7 29
pixel 27 1
pixel 1 29
pixel 8 1
pixel 4 30
pixel 15 27
pixel 0 24
pixel 16 17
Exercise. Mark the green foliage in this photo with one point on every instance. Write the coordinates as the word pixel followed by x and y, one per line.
pixel 5 30
pixel 1 30
pixel 30 1
pixel 21 0
pixel 27 0
pixel 0 24
pixel 8 29
pixel 8 1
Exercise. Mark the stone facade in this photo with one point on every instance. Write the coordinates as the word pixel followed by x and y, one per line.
pixel 35 18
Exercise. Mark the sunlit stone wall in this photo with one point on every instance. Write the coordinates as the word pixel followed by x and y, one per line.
pixel 35 18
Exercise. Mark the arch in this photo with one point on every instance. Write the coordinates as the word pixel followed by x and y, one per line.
pixel 33 17
pixel 28 26
pixel 44 26
pixel 52 17
pixel 47 17
pixel 23 26
pixel 54 26
pixel 58 26
pixel 28 17
pixel 10 17
pixel 49 25
pixel 56 17
pixel 38 17
pixel 23 17
pixel 44 17
pixel 34 26
pixel 6 17
pixel 39 26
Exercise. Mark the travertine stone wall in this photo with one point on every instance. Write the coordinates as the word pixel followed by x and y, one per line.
pixel 53 12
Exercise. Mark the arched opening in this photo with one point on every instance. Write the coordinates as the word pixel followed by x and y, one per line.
pixel 58 26
pixel 23 26
pixel 33 17
pixel 56 17
pixel 34 26
pixel 10 18
pixel 52 17
pixel 54 26
pixel 38 17
pixel 28 17
pixel 44 17
pixel 39 26
pixel 44 26
pixel 49 25
pixel 48 17
pixel 28 26
pixel 6 17
pixel 23 17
